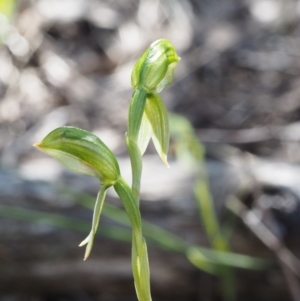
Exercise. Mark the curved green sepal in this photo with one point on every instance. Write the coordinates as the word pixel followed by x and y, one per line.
pixel 96 218
pixel 157 115
pixel 145 134
pixel 154 69
pixel 155 125
pixel 81 152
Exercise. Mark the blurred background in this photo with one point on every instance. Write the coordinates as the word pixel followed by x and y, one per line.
pixel 220 226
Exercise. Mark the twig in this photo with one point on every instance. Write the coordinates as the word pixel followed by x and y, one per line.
pixel 289 263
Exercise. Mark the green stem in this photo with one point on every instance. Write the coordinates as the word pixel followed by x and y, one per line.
pixel 135 115
pixel 136 168
pixel 128 200
pixel 130 197
pixel 210 221
pixel 208 214
pixel 140 265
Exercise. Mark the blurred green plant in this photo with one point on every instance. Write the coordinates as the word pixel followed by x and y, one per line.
pixel 189 149
pixel 156 236
pixel 83 152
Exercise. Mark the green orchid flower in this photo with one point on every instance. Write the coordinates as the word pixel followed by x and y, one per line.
pixel 148 116
pixel 154 69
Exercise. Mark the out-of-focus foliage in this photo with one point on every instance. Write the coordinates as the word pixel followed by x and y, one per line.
pixel 7 7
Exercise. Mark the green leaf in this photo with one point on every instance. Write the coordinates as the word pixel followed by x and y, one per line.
pixel 145 271
pixel 141 271
pixel 81 152
pixel 154 69
pixel 201 262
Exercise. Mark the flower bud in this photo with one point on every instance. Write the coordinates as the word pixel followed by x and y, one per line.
pixel 81 152
pixel 154 69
